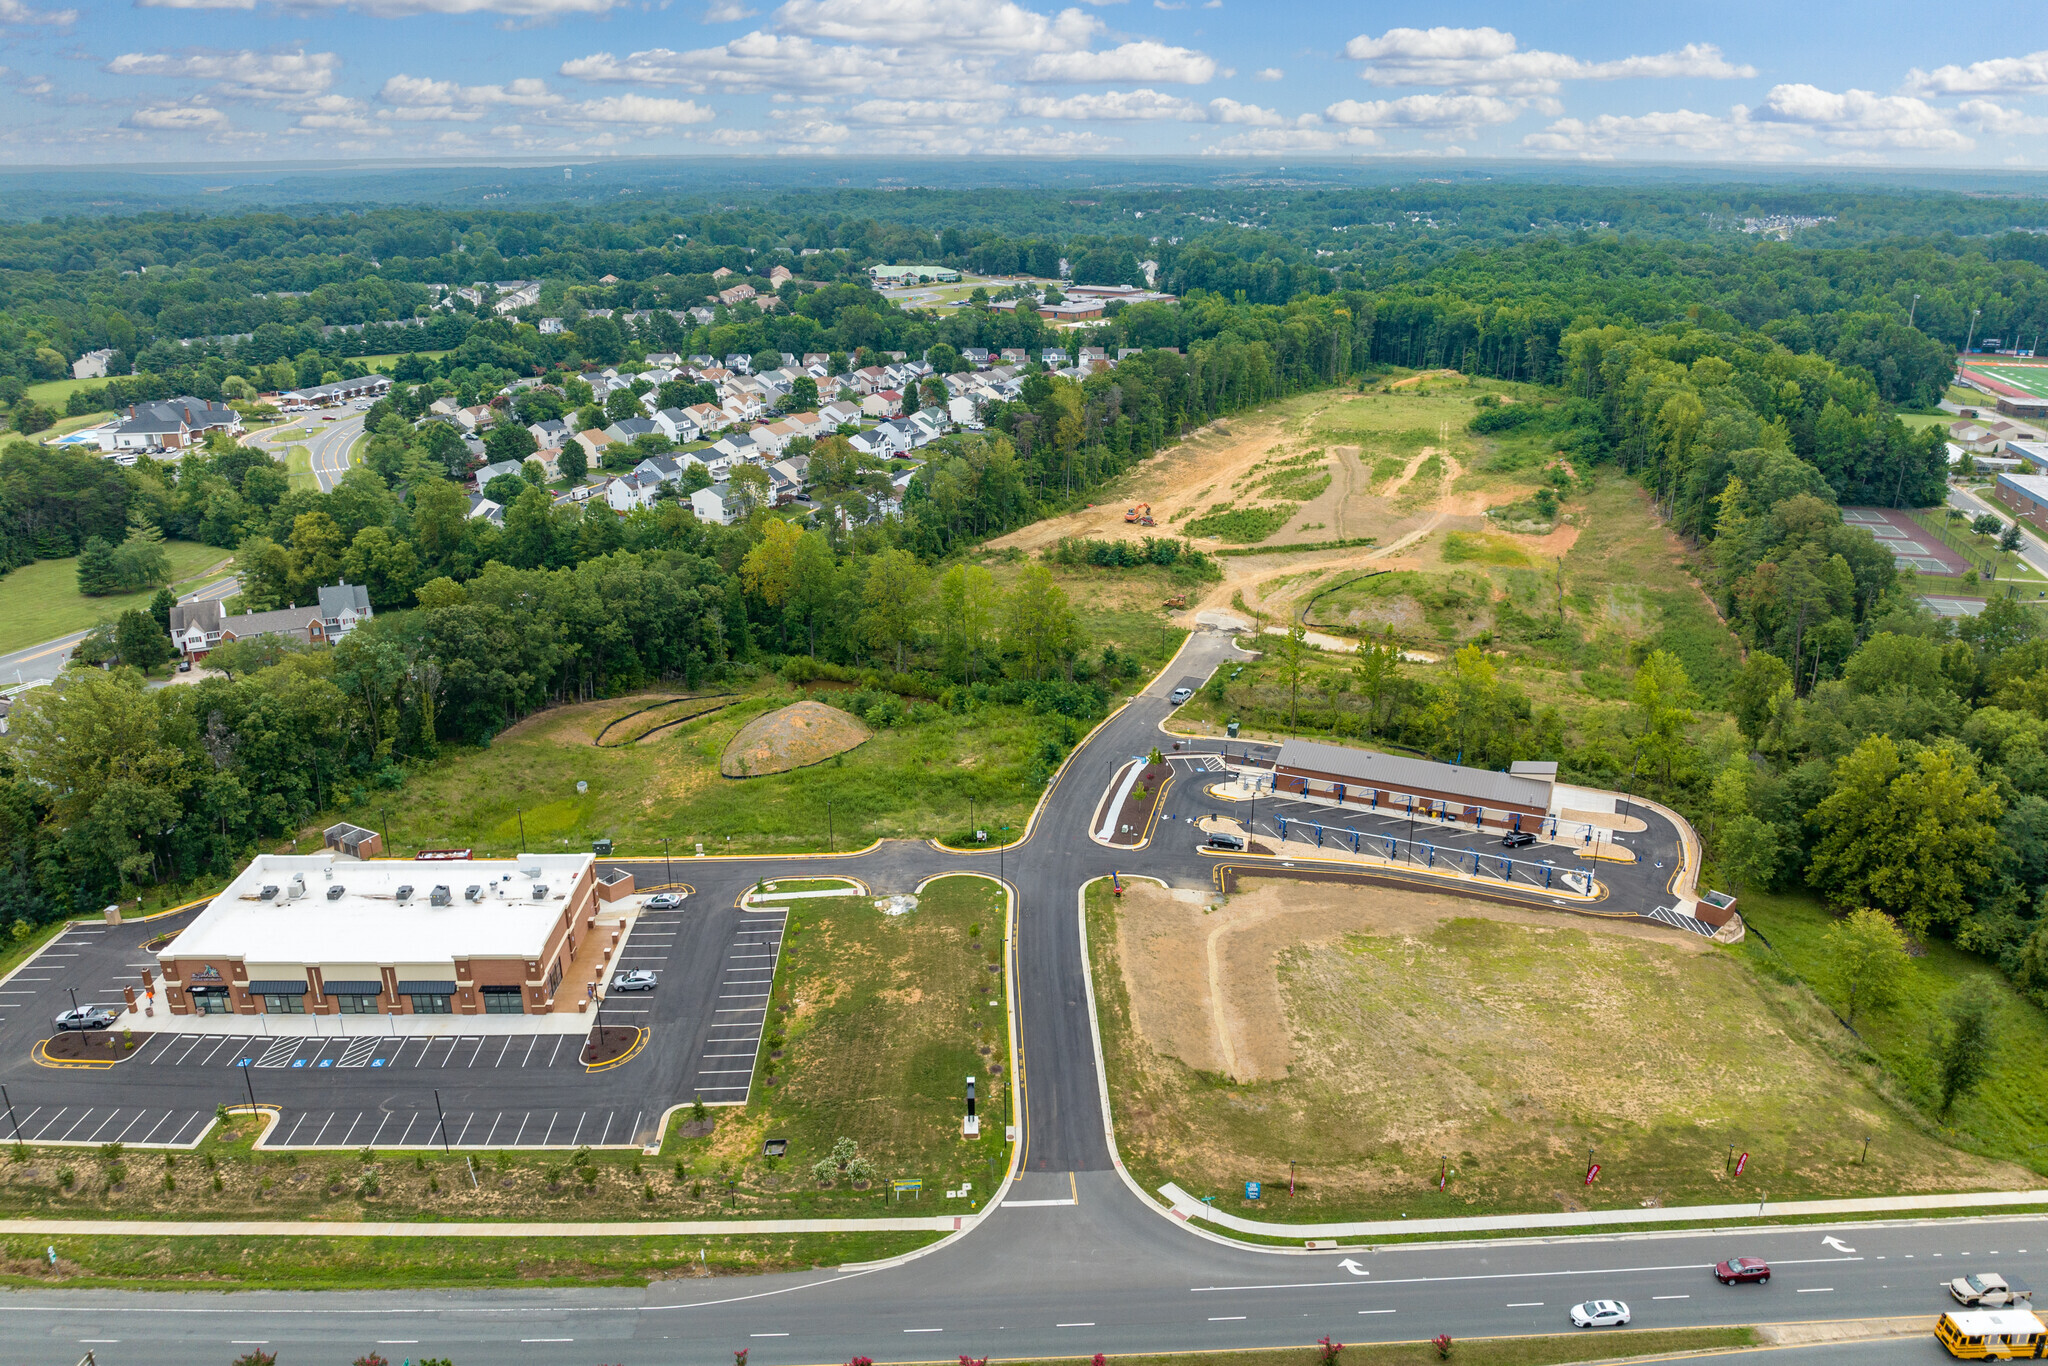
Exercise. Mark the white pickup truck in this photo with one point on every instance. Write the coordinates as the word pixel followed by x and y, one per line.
pixel 1988 1290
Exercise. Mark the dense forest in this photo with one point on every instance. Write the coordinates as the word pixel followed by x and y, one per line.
pixel 1750 387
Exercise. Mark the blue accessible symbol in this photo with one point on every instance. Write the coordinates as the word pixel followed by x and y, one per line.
pixel 327 1062
pixel 1251 1190
pixel 376 1062
pixel 242 1062
pixel 298 1062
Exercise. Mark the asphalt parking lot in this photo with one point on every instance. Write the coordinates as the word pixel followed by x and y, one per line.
pixel 357 1083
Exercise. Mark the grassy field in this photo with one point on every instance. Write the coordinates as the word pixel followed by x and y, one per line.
pixel 881 1019
pixel 2007 1116
pixel 40 601
pixel 55 393
pixel 285 1263
pixel 298 467
pixel 1503 1045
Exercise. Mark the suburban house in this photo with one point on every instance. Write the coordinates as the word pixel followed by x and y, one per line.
pixel 550 327
pixel 632 428
pixel 737 446
pixel 738 294
pixel 882 403
pixel 486 473
pixel 199 627
pixel 91 365
pixel 838 413
pixel 487 510
pixel 711 505
pixel 678 424
pixel 551 433
pixel 593 444
pixel 706 417
pixel 168 424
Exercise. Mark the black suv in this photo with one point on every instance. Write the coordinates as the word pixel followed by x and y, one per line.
pixel 1518 839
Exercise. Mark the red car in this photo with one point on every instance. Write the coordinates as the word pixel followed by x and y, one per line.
pixel 1743 1269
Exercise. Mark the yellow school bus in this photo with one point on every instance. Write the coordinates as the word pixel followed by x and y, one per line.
pixel 1994 1334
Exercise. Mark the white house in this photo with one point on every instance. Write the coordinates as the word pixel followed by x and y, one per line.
pixel 711 504
pixel 678 424
pixel 91 365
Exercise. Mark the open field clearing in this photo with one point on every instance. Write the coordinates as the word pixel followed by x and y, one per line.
pixel 878 1021
pixel 1502 1044
pixel 41 600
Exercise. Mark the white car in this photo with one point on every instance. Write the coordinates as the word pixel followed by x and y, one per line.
pixel 663 901
pixel 1181 695
pixel 633 979
pixel 1600 1314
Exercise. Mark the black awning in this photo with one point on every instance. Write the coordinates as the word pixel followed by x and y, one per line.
pixel 426 988
pixel 284 988
pixel 353 988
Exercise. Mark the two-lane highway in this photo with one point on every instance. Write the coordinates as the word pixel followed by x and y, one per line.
pixel 41 663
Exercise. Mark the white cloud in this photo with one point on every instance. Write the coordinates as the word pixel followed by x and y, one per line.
pixel 421 99
pixel 1995 118
pixel 1114 105
pixel 650 110
pixel 727 12
pixel 1145 60
pixel 923 112
pixel 1169 4
pixel 1488 59
pixel 16 14
pixel 1003 27
pixel 762 63
pixel 1998 76
pixel 197 4
pixel 1424 111
pixel 1271 73
pixel 732 137
pixel 180 118
pixel 242 75
pixel 1268 141
pixel 338 122
pixel 1681 130
pixel 1230 111
pixel 1858 118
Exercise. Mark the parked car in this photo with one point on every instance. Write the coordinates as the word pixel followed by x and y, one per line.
pixel 86 1017
pixel 1989 1290
pixel 1181 695
pixel 1743 1269
pixel 1223 839
pixel 634 979
pixel 1600 1314
pixel 664 901
pixel 1518 839
pixel 184 666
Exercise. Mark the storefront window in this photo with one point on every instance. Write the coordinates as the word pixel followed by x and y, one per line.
pixel 356 1005
pixel 285 1005
pixel 211 1004
pixel 503 1002
pixel 430 1005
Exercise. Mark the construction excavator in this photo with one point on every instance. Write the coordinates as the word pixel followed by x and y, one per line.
pixel 1141 515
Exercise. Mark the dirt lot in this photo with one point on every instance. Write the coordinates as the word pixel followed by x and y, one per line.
pixel 1372 1034
pixel 1398 467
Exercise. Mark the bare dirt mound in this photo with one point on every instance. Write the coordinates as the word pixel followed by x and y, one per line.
pixel 797 736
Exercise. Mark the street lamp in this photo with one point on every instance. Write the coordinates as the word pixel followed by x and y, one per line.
pixel 1973 330
pixel 668 863
pixel 1911 311
pixel 250 1084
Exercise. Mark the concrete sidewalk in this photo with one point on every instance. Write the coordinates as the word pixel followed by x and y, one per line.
pixel 330 1228
pixel 1187 1207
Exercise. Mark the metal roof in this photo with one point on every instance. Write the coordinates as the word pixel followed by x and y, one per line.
pixel 1394 771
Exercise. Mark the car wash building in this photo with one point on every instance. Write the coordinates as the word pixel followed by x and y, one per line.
pixel 1488 798
pixel 316 934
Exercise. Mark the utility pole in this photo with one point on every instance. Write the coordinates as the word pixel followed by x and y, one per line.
pixel 1973 330
pixel 1911 311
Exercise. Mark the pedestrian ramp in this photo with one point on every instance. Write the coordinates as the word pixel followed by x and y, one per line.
pixel 1679 920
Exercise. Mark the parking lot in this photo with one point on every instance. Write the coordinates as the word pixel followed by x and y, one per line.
pixel 359 1082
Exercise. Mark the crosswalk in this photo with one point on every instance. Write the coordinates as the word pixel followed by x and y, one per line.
pixel 1679 920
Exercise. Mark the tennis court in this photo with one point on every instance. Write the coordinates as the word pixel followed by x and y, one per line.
pixel 1912 545
pixel 2016 379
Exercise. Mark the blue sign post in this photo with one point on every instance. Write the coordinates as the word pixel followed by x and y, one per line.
pixel 1251 1190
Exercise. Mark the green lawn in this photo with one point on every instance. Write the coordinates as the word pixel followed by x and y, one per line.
pixel 40 601
pixel 298 467
pixel 54 392
pixel 879 1020
pixel 287 1263
pixel 2007 1117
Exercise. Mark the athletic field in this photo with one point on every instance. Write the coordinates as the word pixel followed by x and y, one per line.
pixel 2016 378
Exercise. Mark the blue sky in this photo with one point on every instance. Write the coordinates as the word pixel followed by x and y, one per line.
pixel 289 80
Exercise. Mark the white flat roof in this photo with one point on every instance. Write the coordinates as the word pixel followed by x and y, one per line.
pixel 368 924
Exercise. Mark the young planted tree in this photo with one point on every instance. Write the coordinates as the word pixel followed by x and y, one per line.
pixel 1867 958
pixel 1962 1055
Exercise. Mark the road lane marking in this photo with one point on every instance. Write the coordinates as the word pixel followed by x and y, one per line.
pixel 1379 1311
pixel 547 1339
pixel 1507 1275
pixel 1089 1324
pixel 924 1330
pixel 1816 1290
pixel 1227 1318
pixel 767 1335
pixel 1670 1297
pixel 1527 1304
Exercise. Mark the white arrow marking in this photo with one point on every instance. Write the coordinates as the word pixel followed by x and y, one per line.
pixel 1837 1244
pixel 1353 1267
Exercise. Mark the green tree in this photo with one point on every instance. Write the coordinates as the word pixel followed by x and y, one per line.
pixel 894 602
pixel 139 641
pixel 769 568
pixel 96 575
pixel 1663 709
pixel 1466 704
pixel 1377 675
pixel 160 607
pixel 1962 1054
pixel 1910 830
pixel 573 462
pixel 803 395
pixel 747 489
pixel 140 561
pixel 621 404
pixel 814 587
pixel 967 596
pixel 1038 623
pixel 1748 852
pixel 1867 960
pixel 1293 653
pixel 510 441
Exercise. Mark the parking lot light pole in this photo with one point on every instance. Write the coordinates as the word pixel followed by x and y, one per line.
pixel 667 862
pixel 74 996
pixel 443 1118
pixel 251 1085
pixel 15 1125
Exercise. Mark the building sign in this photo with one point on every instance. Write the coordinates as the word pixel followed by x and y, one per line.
pixel 205 972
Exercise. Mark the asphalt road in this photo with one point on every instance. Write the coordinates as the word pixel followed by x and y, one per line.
pixel 1108 1272
pixel 327 443
pixel 2031 548
pixel 41 663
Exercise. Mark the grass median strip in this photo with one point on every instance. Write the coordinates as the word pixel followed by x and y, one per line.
pixel 323 1263
pixel 1557 1349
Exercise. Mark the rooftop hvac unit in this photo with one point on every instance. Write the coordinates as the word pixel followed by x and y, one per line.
pixel 530 872
pixel 334 892
pixel 473 892
pixel 269 892
pixel 405 892
pixel 540 891
pixel 296 888
pixel 442 896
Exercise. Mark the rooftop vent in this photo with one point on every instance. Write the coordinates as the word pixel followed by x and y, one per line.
pixel 269 892
pixel 334 892
pixel 296 888
pixel 474 892
pixel 405 892
pixel 530 872
pixel 540 891
pixel 442 896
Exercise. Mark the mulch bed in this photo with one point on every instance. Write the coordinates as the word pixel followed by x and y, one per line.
pixel 613 1041
pixel 1137 811
pixel 75 1045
